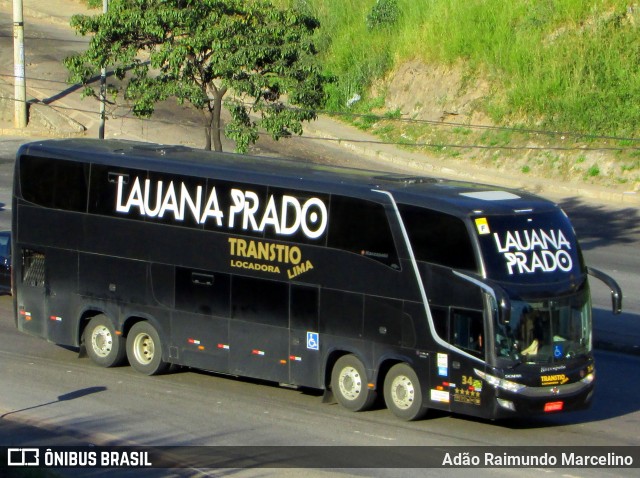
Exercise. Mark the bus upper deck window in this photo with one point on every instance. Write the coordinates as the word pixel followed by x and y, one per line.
pixel 362 227
pixel 438 238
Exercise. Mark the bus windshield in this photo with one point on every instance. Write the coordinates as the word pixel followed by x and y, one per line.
pixel 546 330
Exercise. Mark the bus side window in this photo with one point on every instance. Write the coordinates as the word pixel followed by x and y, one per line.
pixel 362 227
pixel 33 268
pixel 54 184
pixel 467 331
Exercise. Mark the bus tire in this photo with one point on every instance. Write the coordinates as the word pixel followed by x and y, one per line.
pixel 103 345
pixel 349 384
pixel 144 349
pixel 402 393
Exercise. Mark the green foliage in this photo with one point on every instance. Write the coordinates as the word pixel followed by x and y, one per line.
pixel 461 130
pixel 198 51
pixel 593 171
pixel 366 121
pixel 384 13
pixel 353 56
pixel 565 64
pixel 393 114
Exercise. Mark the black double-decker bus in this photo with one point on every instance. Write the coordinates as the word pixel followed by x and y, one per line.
pixel 432 293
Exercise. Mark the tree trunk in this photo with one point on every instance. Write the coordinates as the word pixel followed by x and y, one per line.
pixel 212 121
pixel 207 131
pixel 216 121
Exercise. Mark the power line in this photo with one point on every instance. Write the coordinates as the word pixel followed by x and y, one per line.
pixel 115 117
pixel 414 144
pixel 34 78
pixel 371 116
pixel 49 39
pixel 439 124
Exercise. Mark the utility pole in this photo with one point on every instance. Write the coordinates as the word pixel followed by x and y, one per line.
pixel 20 88
pixel 103 85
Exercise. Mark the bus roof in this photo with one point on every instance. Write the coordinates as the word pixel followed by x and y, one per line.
pixel 445 195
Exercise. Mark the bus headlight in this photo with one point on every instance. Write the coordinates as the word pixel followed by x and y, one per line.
pixel 590 377
pixel 507 385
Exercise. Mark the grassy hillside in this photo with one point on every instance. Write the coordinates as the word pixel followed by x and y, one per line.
pixel 557 82
pixel 570 66
pixel 564 64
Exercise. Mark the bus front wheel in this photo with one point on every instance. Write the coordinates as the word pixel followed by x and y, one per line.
pixel 144 349
pixel 103 345
pixel 349 384
pixel 402 393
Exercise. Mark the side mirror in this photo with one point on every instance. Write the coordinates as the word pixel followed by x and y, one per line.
pixel 616 291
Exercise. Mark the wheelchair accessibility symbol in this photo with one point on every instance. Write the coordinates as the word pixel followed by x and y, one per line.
pixel 313 341
pixel 557 351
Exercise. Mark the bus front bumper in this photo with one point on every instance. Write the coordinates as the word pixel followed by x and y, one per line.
pixel 544 400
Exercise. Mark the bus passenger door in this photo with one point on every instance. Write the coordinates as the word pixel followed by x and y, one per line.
pixel 304 347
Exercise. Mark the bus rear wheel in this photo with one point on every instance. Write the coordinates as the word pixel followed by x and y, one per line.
pixel 102 344
pixel 402 393
pixel 144 349
pixel 349 384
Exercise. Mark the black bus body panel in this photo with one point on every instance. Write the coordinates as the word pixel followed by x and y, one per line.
pixel 254 266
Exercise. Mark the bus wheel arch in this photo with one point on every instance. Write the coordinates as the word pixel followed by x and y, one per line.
pixel 349 384
pixel 103 344
pixel 403 392
pixel 145 348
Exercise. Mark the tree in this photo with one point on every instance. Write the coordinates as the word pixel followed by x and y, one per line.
pixel 199 51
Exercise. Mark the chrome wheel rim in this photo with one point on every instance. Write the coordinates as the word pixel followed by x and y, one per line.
pixel 402 392
pixel 350 383
pixel 143 348
pixel 101 341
